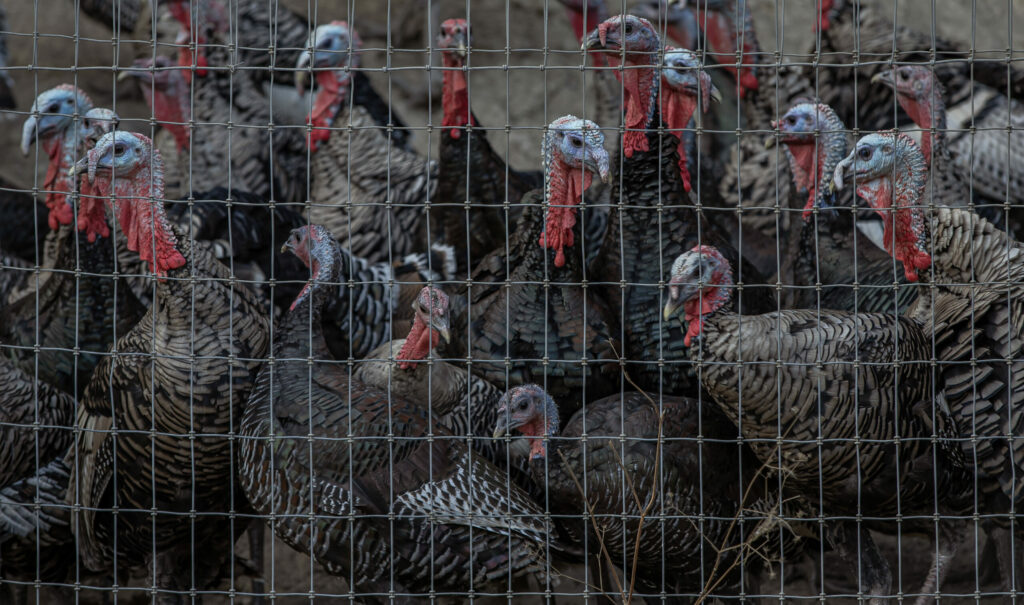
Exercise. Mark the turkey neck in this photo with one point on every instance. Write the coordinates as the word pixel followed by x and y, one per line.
pixel 640 91
pixel 455 97
pixel 719 27
pixel 895 200
pixel 678 108
pixel 332 94
pixel 62 150
pixel 924 112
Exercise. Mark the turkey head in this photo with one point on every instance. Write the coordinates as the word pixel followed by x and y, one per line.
pixel 430 324
pixel 700 284
pixel 529 410
pixel 687 87
pixel 92 216
pixel 815 142
pixel 920 95
pixel 890 174
pixel 631 40
pixel 52 123
pixel 125 165
pixel 573 152
pixel 166 89
pixel 332 51
pixel 454 42
pixel 317 249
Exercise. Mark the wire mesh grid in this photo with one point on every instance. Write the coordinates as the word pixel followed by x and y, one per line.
pixel 305 316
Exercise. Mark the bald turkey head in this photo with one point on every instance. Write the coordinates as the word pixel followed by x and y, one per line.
pixel 815 141
pixel 198 19
pixel 687 86
pixel 92 216
pixel 166 89
pixel 529 410
pixel 573 152
pixel 317 249
pixel 890 174
pixel 53 124
pixel 633 40
pixel 920 95
pixel 700 284
pixel 333 49
pixel 125 165
pixel 728 27
pixel 679 18
pixel 454 42
pixel 430 324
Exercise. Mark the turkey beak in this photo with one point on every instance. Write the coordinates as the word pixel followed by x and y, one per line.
pixel 769 143
pixel 440 325
pixel 600 40
pixel 597 161
pixel 716 95
pixel 840 173
pixel 302 72
pixel 505 423
pixel 883 77
pixel 28 134
pixel 671 306
pixel 81 166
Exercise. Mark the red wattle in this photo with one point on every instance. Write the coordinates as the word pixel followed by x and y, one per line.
pixel 566 187
pixel 417 344
pixel 637 97
pixel 806 174
pixel 900 237
pixel 57 184
pixel 455 99
pixel 676 110
pixel 710 300
pixel 144 224
pixel 328 100
pixel 723 40
pixel 921 114
pixel 92 217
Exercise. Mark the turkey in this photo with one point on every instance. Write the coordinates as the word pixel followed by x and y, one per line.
pixel 72 319
pixel 174 391
pixel 35 432
pixel 437 491
pixel 686 88
pixel 218 116
pixel 830 255
pixel 470 171
pixel 978 328
pixel 654 218
pixel 679 20
pixel 527 318
pixel 367 191
pixel 865 30
pixel 408 368
pixel 921 96
pixel 620 471
pixel 855 424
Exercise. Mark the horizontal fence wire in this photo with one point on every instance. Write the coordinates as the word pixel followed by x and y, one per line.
pixel 590 301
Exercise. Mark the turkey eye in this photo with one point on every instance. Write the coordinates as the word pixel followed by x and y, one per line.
pixel 791 120
pixel 522 405
pixel 53 108
pixel 576 143
pixel 903 74
pixel 864 153
pixel 629 29
pixel 119 149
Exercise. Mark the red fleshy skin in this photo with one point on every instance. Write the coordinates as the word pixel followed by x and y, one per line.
pixel 455 99
pixel 92 217
pixel 566 187
pixel 332 92
pixel 417 345
pixel 677 109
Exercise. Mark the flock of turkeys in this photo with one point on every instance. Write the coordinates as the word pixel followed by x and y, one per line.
pixel 605 360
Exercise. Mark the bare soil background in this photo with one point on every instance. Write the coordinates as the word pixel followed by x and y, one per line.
pixel 526 73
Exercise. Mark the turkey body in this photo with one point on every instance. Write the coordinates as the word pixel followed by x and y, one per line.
pixel 374 477
pixel 655 223
pixel 369 192
pixel 62 311
pixel 830 398
pixel 528 321
pixel 470 170
pixel 191 403
pixel 620 476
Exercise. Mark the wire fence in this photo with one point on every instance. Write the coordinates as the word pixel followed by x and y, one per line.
pixel 587 300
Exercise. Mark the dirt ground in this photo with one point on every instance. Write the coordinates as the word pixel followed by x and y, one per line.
pixel 516 83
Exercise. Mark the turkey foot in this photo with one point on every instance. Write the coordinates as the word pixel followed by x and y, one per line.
pixel 950 537
pixel 854 544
